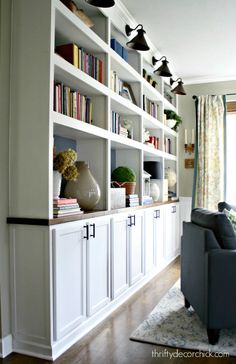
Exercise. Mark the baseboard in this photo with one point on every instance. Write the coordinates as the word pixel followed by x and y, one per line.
pixel 5 346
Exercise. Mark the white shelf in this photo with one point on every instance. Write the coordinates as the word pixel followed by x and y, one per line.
pixel 151 93
pixel 70 75
pixel 70 29
pixel 169 131
pixel 120 142
pixel 72 128
pixel 122 105
pixel 123 69
pixel 151 122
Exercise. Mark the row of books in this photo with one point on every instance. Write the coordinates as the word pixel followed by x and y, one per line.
pixel 81 59
pixel 116 126
pixel 132 200
pixel 116 84
pixel 154 141
pixel 66 207
pixel 119 49
pixel 72 103
pixel 150 107
pixel 167 145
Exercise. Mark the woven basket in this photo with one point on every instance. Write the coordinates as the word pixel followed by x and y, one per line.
pixel 129 186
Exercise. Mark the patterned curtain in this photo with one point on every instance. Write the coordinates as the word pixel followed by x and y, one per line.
pixel 208 187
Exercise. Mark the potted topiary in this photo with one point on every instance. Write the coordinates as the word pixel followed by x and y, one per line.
pixel 124 177
pixel 173 120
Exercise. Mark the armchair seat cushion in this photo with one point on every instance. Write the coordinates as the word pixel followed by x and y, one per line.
pixel 218 223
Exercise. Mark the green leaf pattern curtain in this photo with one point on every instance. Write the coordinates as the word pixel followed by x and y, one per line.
pixel 209 157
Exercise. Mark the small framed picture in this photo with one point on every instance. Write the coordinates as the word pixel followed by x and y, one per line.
pixel 127 92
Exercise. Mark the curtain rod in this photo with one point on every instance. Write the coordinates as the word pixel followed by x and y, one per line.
pixel 195 97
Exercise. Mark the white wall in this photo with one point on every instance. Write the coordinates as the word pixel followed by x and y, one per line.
pixel 187 111
pixel 5 6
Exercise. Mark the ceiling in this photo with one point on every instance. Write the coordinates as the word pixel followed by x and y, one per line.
pixel 197 37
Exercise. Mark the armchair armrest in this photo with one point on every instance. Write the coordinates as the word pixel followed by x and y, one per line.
pixel 221 300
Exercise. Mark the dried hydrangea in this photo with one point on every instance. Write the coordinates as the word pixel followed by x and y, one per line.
pixel 64 161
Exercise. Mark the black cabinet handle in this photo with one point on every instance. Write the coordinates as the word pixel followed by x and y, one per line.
pixel 134 220
pixel 87 232
pixel 157 214
pixel 173 209
pixel 93 234
pixel 130 221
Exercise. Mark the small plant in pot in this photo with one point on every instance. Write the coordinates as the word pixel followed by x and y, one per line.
pixel 173 120
pixel 124 177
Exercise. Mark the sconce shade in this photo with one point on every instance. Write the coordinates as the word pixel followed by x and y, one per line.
pixel 101 3
pixel 163 70
pixel 138 42
pixel 178 90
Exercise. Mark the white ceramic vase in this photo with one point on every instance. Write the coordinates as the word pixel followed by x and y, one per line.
pixel 154 191
pixel 56 184
pixel 85 188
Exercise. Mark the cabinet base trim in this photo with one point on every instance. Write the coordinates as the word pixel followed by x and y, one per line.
pixel 5 346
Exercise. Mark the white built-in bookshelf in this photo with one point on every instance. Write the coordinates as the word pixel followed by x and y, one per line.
pixel 96 143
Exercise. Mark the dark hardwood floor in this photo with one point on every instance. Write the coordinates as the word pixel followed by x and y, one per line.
pixel 109 342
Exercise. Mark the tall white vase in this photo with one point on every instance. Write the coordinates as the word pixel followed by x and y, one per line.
pixel 56 184
pixel 85 188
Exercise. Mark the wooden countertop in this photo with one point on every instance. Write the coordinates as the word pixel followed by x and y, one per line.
pixel 85 215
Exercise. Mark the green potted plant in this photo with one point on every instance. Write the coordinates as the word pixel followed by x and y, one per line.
pixel 173 119
pixel 124 177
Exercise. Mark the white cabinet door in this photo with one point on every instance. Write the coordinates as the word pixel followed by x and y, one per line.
pixel 98 264
pixel 136 246
pixel 171 243
pixel 149 241
pixel 119 254
pixel 69 267
pixel 159 237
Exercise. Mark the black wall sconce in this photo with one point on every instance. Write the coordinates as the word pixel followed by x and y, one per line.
pixel 101 3
pixel 163 70
pixel 138 42
pixel 178 90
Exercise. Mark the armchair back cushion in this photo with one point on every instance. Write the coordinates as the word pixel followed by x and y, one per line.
pixel 218 223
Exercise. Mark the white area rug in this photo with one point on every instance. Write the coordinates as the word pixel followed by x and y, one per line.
pixel 171 324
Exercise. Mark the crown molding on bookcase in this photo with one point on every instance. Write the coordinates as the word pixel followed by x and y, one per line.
pixel 121 16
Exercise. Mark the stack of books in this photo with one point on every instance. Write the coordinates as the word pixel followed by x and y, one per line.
pixel 147 200
pixel 132 200
pixel 65 207
pixel 123 132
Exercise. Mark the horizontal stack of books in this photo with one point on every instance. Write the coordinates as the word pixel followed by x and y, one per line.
pixel 72 103
pixel 132 200
pixel 81 59
pixel 150 107
pixel 65 207
pixel 147 200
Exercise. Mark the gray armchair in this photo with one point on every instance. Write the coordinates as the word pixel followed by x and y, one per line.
pixel 208 270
